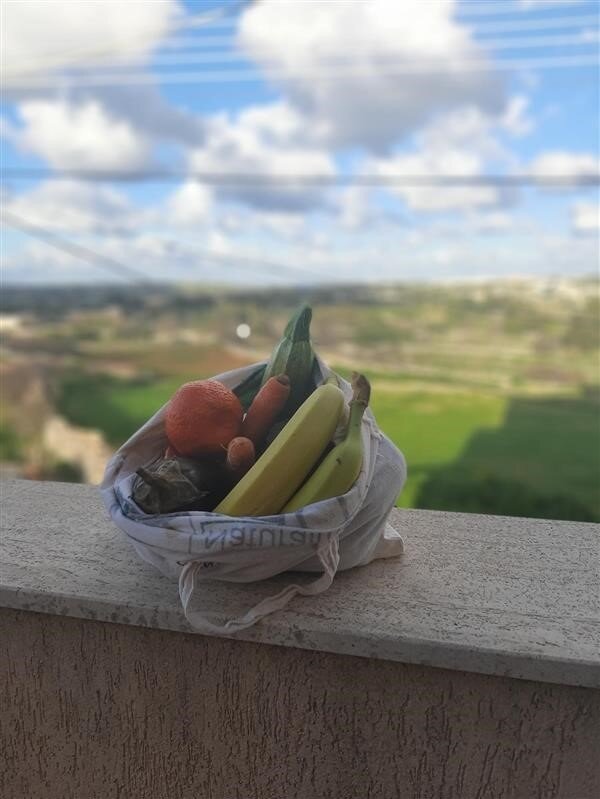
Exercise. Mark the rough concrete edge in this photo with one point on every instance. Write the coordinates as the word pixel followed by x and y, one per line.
pixel 561 671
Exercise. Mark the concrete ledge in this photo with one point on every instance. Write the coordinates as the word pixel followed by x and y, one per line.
pixel 494 595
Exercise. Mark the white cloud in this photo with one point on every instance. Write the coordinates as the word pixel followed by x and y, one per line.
pixel 262 141
pixel 41 36
pixel 249 221
pixel 364 44
pixel 83 136
pixel 145 110
pixel 561 163
pixel 353 206
pixel 215 259
pixel 189 205
pixel 461 143
pixel 585 217
pixel 330 255
pixel 76 207
pixel 515 120
pixel 277 123
pixel 491 222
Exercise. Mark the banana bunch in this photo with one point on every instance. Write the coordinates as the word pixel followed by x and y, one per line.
pixel 292 472
pixel 340 468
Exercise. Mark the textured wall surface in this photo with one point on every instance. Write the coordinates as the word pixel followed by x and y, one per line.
pixel 93 710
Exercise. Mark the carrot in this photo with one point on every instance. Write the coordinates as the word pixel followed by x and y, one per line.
pixel 240 457
pixel 265 408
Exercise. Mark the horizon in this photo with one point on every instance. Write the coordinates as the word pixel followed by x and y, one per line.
pixel 198 287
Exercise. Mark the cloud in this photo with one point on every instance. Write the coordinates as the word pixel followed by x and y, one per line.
pixel 368 101
pixel 165 259
pixel 145 110
pixel 585 218
pixel 515 120
pixel 263 142
pixel 76 207
pixel 562 163
pixel 249 221
pixel 461 143
pixel 331 254
pixel 354 207
pixel 491 222
pixel 42 36
pixel 189 205
pixel 78 136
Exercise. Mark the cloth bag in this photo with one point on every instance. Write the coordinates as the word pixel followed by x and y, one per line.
pixel 192 546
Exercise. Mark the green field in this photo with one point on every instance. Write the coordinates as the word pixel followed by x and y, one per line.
pixel 541 452
pixel 536 451
pixel 432 429
pixel 115 407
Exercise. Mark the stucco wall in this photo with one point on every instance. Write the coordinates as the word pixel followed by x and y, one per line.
pixel 92 710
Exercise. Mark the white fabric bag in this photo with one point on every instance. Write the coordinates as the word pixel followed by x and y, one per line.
pixel 325 537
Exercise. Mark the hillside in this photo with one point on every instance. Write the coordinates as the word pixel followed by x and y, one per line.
pixel 491 389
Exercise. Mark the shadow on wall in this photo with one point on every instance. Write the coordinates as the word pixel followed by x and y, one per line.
pixel 544 462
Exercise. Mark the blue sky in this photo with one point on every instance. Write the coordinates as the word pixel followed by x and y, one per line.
pixel 411 116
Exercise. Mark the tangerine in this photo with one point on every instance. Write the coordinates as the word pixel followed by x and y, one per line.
pixel 202 417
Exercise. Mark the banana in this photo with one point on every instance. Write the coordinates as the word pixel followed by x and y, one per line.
pixel 340 468
pixel 283 466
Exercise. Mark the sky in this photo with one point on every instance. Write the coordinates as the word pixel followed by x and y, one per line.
pixel 299 141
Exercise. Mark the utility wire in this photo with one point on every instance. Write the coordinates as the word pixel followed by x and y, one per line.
pixel 76 250
pixel 534 24
pixel 318 180
pixel 73 57
pixel 491 8
pixel 234 261
pixel 184 58
pixel 15 75
pixel 206 38
pixel 213 21
pixel 255 76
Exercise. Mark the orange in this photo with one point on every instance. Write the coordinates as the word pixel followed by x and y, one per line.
pixel 202 417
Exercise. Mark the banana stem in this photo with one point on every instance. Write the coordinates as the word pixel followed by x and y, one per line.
pixel 361 388
pixel 358 404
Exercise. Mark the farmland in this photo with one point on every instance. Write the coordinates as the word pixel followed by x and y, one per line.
pixel 491 391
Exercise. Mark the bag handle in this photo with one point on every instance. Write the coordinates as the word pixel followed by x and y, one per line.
pixel 328 555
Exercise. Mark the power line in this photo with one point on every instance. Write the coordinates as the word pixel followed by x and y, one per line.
pixel 184 58
pixel 235 261
pixel 254 76
pixel 205 39
pixel 491 8
pixel 76 250
pixel 535 24
pixel 74 56
pixel 255 180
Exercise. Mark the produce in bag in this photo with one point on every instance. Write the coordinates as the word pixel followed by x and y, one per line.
pixel 314 496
